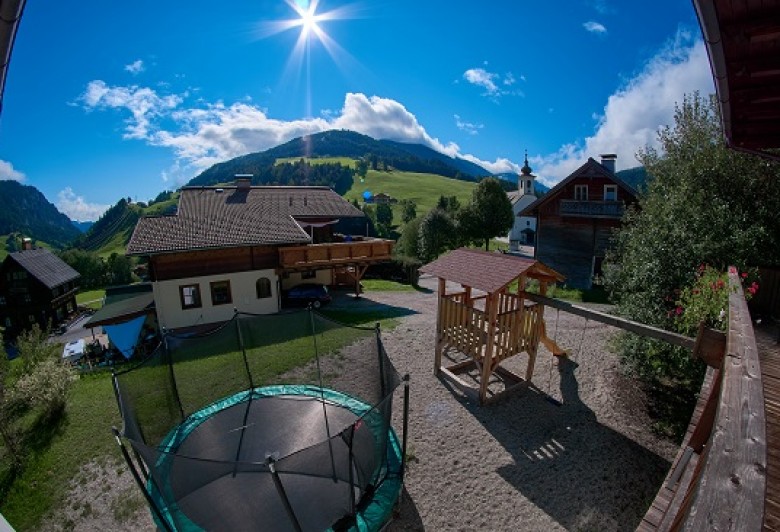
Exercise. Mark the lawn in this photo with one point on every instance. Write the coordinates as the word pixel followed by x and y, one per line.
pixel 423 189
pixel 382 285
pixel 56 454
pixel 91 298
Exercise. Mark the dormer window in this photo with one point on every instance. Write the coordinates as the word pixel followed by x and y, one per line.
pixel 581 192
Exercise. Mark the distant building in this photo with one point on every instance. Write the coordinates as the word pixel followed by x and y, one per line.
pixel 36 286
pixel 385 199
pixel 238 247
pixel 524 229
pixel 576 219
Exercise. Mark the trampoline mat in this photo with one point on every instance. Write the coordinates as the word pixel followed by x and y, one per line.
pixel 218 478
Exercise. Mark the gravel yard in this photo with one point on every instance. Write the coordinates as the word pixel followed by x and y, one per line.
pixel 523 463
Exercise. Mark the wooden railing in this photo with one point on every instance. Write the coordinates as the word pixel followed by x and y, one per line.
pixel 718 481
pixel 360 252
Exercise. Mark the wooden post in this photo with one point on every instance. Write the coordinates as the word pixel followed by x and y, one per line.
pixel 439 334
pixel 487 358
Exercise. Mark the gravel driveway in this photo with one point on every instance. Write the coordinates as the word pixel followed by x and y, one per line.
pixel 586 461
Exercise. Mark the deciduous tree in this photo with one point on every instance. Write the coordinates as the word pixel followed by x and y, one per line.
pixel 489 214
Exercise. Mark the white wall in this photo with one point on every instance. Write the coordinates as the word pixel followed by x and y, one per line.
pixel 242 288
pixel 321 277
pixel 522 222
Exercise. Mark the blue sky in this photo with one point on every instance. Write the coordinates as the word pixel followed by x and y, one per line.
pixel 114 99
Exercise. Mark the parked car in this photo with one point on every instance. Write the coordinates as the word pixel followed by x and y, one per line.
pixel 303 294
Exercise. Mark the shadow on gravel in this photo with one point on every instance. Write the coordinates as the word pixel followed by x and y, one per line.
pixel 405 515
pixel 583 474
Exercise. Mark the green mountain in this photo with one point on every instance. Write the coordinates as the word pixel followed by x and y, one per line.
pixel 26 211
pixel 381 154
pixel 636 177
pixel 111 233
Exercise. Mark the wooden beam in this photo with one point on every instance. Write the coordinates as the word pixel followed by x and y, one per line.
pixel 621 323
pixel 439 348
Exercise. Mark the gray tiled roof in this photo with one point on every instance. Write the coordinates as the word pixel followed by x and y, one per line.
pixel 219 217
pixel 45 266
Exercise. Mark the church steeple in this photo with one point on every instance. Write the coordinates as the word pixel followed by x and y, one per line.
pixel 525 182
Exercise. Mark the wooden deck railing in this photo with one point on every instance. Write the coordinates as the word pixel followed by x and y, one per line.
pixel 360 252
pixel 723 486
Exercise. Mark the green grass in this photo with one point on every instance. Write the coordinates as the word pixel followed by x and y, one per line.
pixel 91 298
pixel 344 161
pixel 423 189
pixel 57 453
pixel 594 295
pixel 381 285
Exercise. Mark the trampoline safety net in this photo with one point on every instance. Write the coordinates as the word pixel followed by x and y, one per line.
pixel 271 422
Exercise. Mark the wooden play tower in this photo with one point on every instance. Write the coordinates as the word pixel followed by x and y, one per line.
pixel 485 321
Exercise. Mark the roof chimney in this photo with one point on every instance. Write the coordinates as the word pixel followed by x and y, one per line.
pixel 243 181
pixel 608 161
pixel 26 243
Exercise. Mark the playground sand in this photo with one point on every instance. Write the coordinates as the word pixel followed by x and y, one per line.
pixel 573 452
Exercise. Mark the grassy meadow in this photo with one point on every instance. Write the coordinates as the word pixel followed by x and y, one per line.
pixel 57 453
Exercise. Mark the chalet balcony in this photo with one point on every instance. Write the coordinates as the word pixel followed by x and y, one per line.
pixel 360 252
pixel 592 209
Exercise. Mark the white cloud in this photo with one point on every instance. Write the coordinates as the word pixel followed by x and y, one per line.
pixel 633 115
pixel 482 78
pixel 7 172
pixel 595 27
pixel 76 208
pixel 468 127
pixel 136 67
pixel 203 133
pixel 143 103
pixel 491 82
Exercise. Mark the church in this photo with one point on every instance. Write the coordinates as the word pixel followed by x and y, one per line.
pixel 524 230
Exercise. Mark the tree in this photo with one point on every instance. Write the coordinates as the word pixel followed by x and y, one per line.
pixel 489 214
pixel 704 204
pixel 449 204
pixel 408 210
pixel 436 234
pixel 384 214
pixel 361 168
pixel 118 270
pixel 409 243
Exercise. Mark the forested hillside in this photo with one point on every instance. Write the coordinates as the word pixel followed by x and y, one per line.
pixel 26 211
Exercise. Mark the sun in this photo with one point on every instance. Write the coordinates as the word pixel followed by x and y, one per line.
pixel 308 21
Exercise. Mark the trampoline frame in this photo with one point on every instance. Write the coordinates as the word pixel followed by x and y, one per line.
pixel 379 501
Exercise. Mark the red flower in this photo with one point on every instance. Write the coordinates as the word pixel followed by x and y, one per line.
pixel 721 284
pixel 678 310
pixel 744 275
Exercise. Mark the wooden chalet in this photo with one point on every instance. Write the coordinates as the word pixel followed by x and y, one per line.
pixel 485 321
pixel 575 220
pixel 238 247
pixel 36 287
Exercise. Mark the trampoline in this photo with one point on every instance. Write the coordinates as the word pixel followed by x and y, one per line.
pixel 251 427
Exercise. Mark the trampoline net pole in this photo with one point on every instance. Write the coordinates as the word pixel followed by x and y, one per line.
pixel 169 360
pixel 405 424
pixel 283 494
pixel 249 398
pixel 322 394
pixel 138 480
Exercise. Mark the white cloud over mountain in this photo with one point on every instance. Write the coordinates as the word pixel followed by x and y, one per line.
pixel 8 173
pixel 76 207
pixel 206 133
pixel 633 115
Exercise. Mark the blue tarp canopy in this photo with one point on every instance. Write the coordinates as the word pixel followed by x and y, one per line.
pixel 124 336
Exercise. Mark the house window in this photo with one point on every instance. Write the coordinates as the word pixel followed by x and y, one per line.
pixel 2 300
pixel 581 192
pixel 27 298
pixel 312 274
pixel 8 323
pixel 31 317
pixel 263 286
pixel 220 293
pixel 610 192
pixel 190 296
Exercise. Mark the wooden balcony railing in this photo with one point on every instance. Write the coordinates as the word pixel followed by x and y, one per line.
pixel 334 254
pixel 719 479
pixel 595 209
